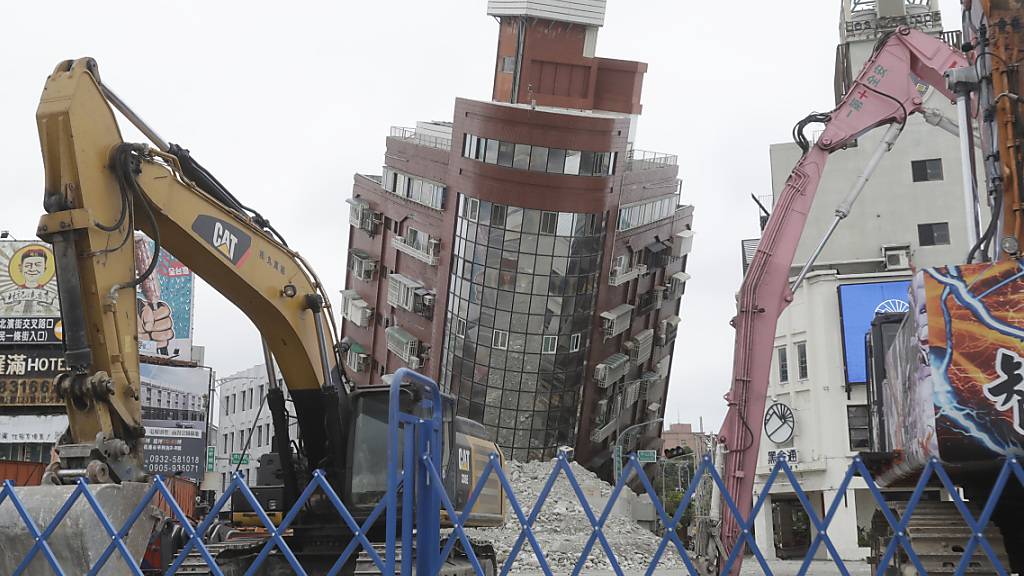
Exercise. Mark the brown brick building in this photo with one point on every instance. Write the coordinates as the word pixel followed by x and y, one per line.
pixel 526 255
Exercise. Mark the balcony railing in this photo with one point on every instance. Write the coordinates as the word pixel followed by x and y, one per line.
pixel 618 278
pixel 399 243
pixel 599 434
pixel 411 135
pixel 646 160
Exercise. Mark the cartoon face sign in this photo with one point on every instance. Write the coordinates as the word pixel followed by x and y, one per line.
pixel 32 266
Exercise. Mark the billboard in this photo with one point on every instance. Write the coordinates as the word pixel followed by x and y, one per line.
pixel 164 302
pixel 29 303
pixel 174 412
pixel 27 372
pixel 858 304
pixel 171 451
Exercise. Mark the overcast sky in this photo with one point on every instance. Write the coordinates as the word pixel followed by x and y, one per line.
pixel 284 102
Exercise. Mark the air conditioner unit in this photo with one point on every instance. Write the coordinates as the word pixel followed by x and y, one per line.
pixel 601 375
pixel 415 362
pixel 434 247
pixel 364 317
pixel 896 257
pixel 600 413
pixel 363 363
pixel 662 338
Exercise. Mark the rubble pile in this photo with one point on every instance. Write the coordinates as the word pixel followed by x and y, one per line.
pixel 562 528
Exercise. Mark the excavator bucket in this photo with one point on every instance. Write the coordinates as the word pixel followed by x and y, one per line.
pixel 80 538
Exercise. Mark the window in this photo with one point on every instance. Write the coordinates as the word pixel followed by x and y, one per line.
pixel 934 234
pixel 472 209
pixel 508 64
pixel 227 405
pixel 498 213
pixel 549 344
pixel 402 291
pixel 548 222
pixel 506 154
pixel 574 342
pixel 801 360
pixel 522 157
pixel 645 212
pixel 460 327
pixel 224 443
pixel 587 163
pixel 926 170
pixel 556 160
pixel 500 340
pixel 491 154
pixel 261 393
pixel 572 162
pixel 259 436
pixel 231 441
pixel 858 420
pixel 780 351
pixel 539 159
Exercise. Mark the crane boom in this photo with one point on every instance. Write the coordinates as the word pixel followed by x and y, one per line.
pixel 885 93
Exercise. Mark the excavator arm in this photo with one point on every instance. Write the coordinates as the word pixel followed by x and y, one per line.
pixel 98 191
pixel 885 93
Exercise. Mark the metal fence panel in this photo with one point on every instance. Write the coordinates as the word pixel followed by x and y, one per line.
pixel 419 486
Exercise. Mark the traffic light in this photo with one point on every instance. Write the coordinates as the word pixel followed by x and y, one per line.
pixel 676 452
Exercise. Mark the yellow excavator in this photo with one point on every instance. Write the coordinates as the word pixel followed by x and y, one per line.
pixel 98 191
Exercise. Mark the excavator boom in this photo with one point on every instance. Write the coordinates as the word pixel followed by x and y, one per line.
pixel 885 93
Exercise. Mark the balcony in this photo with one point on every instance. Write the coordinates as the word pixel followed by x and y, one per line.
pixel 410 135
pixel 619 277
pixel 646 160
pixel 404 246
pixel 600 434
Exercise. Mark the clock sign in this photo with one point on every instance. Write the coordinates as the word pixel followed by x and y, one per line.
pixel 779 423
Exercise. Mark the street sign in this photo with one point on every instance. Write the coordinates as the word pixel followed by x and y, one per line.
pixel 238 458
pixel 210 458
pixel 617 461
pixel 646 456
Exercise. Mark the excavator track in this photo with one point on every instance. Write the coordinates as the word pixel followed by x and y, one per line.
pixel 938 535
pixel 234 557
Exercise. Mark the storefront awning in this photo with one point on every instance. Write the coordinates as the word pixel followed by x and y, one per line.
pixel 32 428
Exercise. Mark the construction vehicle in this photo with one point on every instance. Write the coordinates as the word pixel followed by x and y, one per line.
pixel 98 191
pixel 984 82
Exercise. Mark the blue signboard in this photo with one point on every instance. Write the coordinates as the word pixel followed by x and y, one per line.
pixel 858 304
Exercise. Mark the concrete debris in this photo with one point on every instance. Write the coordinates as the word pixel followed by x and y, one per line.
pixel 562 528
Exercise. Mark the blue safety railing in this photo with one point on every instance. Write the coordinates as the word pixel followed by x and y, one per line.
pixel 416 496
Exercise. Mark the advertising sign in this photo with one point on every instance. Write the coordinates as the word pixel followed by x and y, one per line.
pixel 174 410
pixel 164 304
pixel 858 304
pixel 27 373
pixel 976 353
pixel 171 451
pixel 29 303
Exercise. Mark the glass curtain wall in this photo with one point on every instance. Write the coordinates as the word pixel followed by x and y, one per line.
pixel 521 304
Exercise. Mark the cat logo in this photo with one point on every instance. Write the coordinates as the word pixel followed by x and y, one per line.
pixel 226 238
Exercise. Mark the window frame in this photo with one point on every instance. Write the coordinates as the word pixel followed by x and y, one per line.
pixel 921 170
pixel 499 340
pixel 552 218
pixel 850 408
pixel 549 344
pixel 575 341
pixel 782 363
pixel 801 360
pixel 932 228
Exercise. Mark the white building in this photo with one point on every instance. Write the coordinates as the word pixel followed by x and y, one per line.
pixel 911 214
pixel 245 418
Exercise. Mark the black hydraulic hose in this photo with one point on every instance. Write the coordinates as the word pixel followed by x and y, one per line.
pixel 208 183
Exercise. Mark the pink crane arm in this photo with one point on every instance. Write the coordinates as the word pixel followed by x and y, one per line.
pixel 885 92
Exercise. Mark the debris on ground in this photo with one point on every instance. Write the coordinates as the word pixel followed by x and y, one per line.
pixel 562 528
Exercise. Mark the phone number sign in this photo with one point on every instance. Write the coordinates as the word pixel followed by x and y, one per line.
pixel 170 451
pixel 27 373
